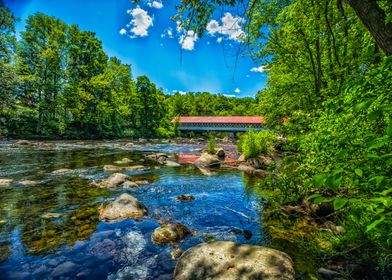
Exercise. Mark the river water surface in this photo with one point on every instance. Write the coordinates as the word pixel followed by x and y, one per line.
pixel 74 244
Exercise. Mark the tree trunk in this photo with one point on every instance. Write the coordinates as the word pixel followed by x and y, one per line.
pixel 373 17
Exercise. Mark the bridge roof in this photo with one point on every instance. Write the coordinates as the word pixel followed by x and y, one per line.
pixel 222 119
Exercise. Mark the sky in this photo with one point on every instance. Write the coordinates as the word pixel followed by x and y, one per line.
pixel 144 36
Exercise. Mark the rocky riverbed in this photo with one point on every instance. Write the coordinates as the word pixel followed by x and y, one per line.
pixel 118 209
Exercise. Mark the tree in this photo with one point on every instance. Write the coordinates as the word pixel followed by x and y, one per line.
pixel 7 32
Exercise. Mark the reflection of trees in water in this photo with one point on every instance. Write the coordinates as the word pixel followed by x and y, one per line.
pixel 26 206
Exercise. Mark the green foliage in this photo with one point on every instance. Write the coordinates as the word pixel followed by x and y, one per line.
pixel 211 144
pixel 253 144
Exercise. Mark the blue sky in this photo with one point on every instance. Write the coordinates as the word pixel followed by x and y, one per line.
pixel 144 36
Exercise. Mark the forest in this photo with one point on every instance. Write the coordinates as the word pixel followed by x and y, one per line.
pixel 57 82
pixel 329 73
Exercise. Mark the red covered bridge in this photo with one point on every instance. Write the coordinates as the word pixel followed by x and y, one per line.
pixel 220 123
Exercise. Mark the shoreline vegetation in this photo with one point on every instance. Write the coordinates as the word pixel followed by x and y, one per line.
pixel 327 171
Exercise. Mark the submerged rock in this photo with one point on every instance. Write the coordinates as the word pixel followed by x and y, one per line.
pixel 60 171
pixel 6 182
pixel 110 167
pixel 208 161
pixel 27 183
pixel 170 234
pixel 51 215
pixel 184 197
pixel 135 168
pixel 129 184
pixel 158 157
pixel 123 207
pixel 123 161
pixel 142 182
pixel 227 260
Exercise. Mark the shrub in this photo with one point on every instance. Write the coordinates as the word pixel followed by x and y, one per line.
pixel 211 144
pixel 252 143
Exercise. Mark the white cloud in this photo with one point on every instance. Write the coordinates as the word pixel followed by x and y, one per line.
pixel 237 90
pixel 155 4
pixel 219 40
pixel 123 31
pixel 230 27
pixel 168 33
pixel 187 40
pixel 260 69
pixel 180 92
pixel 141 22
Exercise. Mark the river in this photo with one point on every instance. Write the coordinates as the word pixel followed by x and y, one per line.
pixel 50 227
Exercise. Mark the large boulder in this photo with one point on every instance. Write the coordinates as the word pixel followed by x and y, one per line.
pixel 225 260
pixel 170 234
pixel 6 182
pixel 208 161
pixel 23 143
pixel 123 207
pixel 158 157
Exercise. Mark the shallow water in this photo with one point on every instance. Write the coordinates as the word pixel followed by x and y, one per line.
pixel 77 245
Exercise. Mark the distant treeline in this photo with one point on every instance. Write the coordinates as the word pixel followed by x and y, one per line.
pixel 57 82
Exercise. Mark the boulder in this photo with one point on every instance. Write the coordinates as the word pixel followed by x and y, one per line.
pixel 221 153
pixel 142 141
pixel 170 234
pixel 123 207
pixel 115 180
pixel 328 274
pixel 6 182
pixel 184 197
pixel 260 162
pixel 246 168
pixel 23 143
pixel 129 145
pixel 27 183
pixel 158 157
pixel 225 260
pixel 142 182
pixel 208 161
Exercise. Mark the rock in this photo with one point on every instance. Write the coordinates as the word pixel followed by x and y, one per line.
pixel 142 182
pixel 123 207
pixel 158 157
pixel 208 161
pixel 334 228
pixel 225 260
pixel 221 153
pixel 241 158
pixel 260 162
pixel 135 168
pixel 60 171
pixel 123 161
pixel 6 182
pixel 27 183
pixel 23 143
pixel 115 180
pixel 63 269
pixel 206 171
pixel 172 163
pixel 129 184
pixel 247 234
pixel 246 168
pixel 184 197
pixel 51 215
pixel 129 144
pixel 169 234
pixel 142 140
pixel 328 274
pixel 110 167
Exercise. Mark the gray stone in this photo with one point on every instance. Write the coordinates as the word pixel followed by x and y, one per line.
pixel 225 260
pixel 328 274
pixel 6 182
pixel 208 161
pixel 221 153
pixel 123 207
pixel 114 180
pixel 171 163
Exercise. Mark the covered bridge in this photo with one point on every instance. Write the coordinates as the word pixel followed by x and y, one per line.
pixel 220 123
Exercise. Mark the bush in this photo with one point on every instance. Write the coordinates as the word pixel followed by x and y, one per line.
pixel 211 144
pixel 252 143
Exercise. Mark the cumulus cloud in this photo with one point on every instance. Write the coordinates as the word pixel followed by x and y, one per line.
pixel 237 90
pixel 187 40
pixel 260 69
pixel 123 31
pixel 230 27
pixel 140 22
pixel 168 33
pixel 155 4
